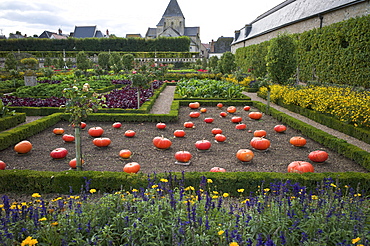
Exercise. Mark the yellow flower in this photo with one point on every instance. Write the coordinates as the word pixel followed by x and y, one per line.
pixel 225 194
pixel 333 185
pixel 355 240
pixel 314 197
pixel 358 194
pixel 245 201
pixel 215 192
pixel 241 190
pixel 209 181
pixel 154 186
pixel 164 180
pixel 35 195
pixel 135 190
pixel 233 244
pixel 266 190
pixel 43 219
pixel 54 223
pixel 214 197
pixel 220 232
pixel 189 188
pixel 29 241
pixel 92 191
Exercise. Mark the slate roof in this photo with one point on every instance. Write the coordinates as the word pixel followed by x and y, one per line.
pixel 46 34
pixel 173 9
pixel 87 32
pixel 191 31
pixel 289 12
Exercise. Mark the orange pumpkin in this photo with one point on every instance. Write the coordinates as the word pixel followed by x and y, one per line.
pixel 255 115
pixel 260 143
pixel 231 109
pixel 300 167
pixel 245 155
pixel 101 142
pixel 132 167
pixel 260 133
pixel 298 141
pixel 23 147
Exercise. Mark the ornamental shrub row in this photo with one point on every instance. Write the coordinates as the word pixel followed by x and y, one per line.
pixel 337 53
pixel 175 44
pixel 108 182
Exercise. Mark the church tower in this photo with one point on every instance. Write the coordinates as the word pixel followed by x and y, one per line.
pixel 172 18
pixel 172 24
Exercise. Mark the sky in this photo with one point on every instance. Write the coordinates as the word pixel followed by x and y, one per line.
pixel 215 18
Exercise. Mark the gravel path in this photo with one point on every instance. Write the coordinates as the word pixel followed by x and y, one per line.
pixel 163 103
pixel 349 139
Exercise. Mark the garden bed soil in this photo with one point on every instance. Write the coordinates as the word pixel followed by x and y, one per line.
pixel 153 160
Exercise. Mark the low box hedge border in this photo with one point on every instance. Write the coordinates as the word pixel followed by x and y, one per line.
pixel 74 182
pixel 339 145
pixel 10 121
pixel 64 182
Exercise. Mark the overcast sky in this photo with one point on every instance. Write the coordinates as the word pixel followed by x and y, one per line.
pixel 215 18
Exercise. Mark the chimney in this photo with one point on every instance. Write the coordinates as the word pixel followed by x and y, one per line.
pixel 107 32
pixel 60 31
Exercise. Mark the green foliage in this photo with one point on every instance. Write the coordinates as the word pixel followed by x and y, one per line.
pixel 128 61
pixel 176 44
pixel 103 60
pixel 208 89
pixel 213 62
pixel 4 110
pixel 227 63
pixel 82 61
pixel 337 54
pixel 281 59
pixel 10 62
pixel 115 62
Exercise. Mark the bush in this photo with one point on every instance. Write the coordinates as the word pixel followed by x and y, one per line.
pixel 281 59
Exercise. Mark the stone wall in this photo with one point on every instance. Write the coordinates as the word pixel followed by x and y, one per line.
pixel 308 24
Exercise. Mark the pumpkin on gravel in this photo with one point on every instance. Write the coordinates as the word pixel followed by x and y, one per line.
pixel 23 147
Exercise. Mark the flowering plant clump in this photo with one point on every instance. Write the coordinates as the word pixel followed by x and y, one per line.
pixel 281 213
pixel 344 104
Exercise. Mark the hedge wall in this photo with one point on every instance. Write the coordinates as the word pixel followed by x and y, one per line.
pixel 177 44
pixel 338 54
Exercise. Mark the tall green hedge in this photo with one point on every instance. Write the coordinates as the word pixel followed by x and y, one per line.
pixel 177 44
pixel 338 53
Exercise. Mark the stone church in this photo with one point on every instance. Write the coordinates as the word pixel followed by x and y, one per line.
pixel 172 24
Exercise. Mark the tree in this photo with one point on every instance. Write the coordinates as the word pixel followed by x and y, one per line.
pixel 115 62
pixel 82 61
pixel 80 103
pixel 281 59
pixel 213 62
pixel 103 60
pixel 10 62
pixel 128 61
pixel 227 63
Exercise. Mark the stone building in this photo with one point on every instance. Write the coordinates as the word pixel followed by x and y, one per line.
pixel 297 16
pixel 172 24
